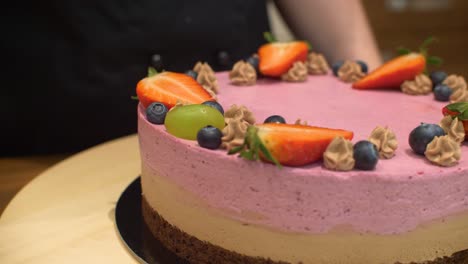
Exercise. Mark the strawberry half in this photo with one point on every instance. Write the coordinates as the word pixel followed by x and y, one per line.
pixel 460 111
pixel 393 73
pixel 287 144
pixel 277 58
pixel 405 67
pixel 169 88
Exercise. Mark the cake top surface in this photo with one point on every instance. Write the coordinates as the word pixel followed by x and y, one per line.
pixel 325 101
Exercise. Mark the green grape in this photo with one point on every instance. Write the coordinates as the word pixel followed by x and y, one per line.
pixel 185 121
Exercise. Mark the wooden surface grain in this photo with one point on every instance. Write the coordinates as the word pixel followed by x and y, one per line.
pixel 16 172
pixel 66 214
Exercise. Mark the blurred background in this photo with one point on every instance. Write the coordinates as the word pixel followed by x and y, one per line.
pixel 407 23
pixel 395 23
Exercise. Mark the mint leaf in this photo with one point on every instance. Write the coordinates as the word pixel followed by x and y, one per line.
pixel 403 51
pixel 152 71
pixel 427 42
pixel 269 37
pixel 248 155
pixel 268 155
pixel 458 107
pixel 463 116
pixel 236 150
pixel 434 60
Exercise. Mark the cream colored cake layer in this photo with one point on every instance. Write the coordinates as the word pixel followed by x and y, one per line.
pixel 181 209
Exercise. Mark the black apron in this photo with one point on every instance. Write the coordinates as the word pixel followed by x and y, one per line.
pixel 73 65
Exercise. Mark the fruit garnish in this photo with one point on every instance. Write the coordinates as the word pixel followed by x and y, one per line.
pixel 209 137
pixel 287 144
pixel 460 111
pixel 365 155
pixel 336 67
pixel 156 113
pixel 215 105
pixel 276 58
pixel 423 135
pixel 437 77
pixel 185 121
pixel 275 119
pixel 169 88
pixel 192 74
pixel 156 62
pixel 363 65
pixel 442 92
pixel 254 61
pixel 402 68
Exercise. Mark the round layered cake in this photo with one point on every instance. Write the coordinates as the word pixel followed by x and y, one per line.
pixel 211 207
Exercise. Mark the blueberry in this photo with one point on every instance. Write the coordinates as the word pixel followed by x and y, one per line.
pixel 156 113
pixel 365 155
pixel 363 65
pixel 192 74
pixel 209 137
pixel 275 119
pixel 437 77
pixel 423 135
pixel 253 60
pixel 215 105
pixel 336 67
pixel 442 93
pixel 157 62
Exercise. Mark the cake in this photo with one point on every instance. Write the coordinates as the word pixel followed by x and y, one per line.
pixel 211 207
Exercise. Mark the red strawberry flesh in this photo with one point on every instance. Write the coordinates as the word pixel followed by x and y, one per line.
pixel 169 88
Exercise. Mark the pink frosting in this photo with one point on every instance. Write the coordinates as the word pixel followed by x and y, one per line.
pixel 397 196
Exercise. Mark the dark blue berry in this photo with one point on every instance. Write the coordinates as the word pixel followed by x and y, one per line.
pixel 156 113
pixel 365 155
pixel 215 105
pixel 336 67
pixel 209 137
pixel 423 135
pixel 363 65
pixel 437 77
pixel 442 92
pixel 192 74
pixel 253 60
pixel 275 119
pixel 157 62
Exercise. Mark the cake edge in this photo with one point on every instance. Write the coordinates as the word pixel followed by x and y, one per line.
pixel 192 249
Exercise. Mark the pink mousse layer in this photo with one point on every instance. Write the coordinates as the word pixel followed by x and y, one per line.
pixel 397 196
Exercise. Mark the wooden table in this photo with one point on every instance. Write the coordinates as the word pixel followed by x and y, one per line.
pixel 66 214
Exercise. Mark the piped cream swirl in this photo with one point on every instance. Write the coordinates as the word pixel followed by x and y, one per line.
pixel 459 95
pixel 339 155
pixel 443 151
pixel 317 64
pixel 301 122
pixel 455 82
pixel 297 73
pixel 419 86
pixel 206 77
pixel 238 119
pixel 385 141
pixel 454 128
pixel 350 72
pixel 243 73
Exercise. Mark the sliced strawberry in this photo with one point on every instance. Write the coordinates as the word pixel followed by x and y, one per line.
pixel 169 88
pixel 460 111
pixel 278 57
pixel 393 73
pixel 288 144
pixel 446 111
